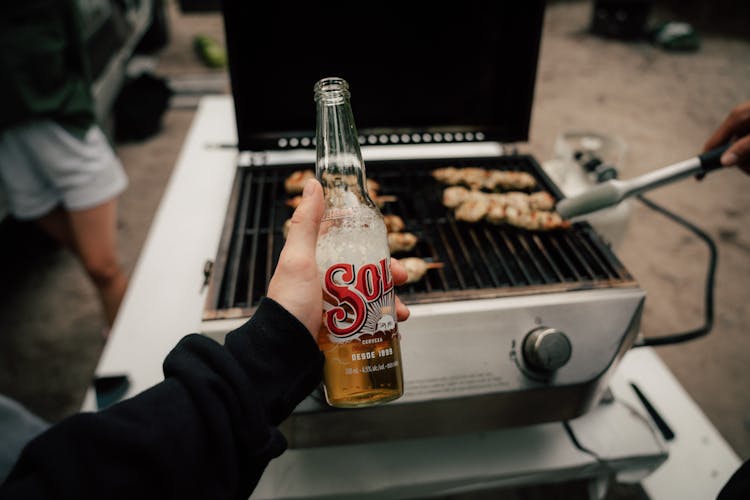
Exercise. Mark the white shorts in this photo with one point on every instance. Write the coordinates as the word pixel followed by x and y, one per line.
pixel 42 165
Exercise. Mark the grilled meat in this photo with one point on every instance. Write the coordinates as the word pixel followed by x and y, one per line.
pixel 455 195
pixel 416 268
pixel 401 242
pixel 393 223
pixel 477 178
pixel 296 181
pixel 474 207
pixel 529 211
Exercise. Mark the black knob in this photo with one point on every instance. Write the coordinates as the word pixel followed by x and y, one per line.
pixel 546 349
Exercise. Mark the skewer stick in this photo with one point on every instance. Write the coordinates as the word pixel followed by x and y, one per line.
pixel 386 198
pixel 294 202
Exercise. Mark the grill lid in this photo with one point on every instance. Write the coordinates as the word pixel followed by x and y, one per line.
pixel 467 66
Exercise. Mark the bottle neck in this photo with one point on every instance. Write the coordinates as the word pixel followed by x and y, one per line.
pixel 339 165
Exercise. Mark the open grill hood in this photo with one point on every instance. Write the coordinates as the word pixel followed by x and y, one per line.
pixel 468 66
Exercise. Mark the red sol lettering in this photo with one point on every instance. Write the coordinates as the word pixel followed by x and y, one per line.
pixel 354 296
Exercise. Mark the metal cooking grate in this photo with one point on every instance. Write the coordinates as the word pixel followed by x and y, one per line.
pixel 480 260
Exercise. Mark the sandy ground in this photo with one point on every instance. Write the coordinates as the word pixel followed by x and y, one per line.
pixel 662 105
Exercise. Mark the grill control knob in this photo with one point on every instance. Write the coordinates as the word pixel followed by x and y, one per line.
pixel 546 349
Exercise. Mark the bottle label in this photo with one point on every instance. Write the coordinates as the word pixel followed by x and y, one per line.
pixel 358 301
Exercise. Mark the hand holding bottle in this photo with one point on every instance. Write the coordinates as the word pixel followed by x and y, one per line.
pixel 295 283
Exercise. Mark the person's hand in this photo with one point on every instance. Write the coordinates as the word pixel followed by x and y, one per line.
pixel 736 127
pixel 295 283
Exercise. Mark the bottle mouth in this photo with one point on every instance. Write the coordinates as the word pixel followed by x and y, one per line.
pixel 331 90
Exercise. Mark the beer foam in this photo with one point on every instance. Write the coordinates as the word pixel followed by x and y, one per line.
pixel 356 239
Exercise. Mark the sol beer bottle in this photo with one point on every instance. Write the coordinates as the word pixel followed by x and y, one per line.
pixel 359 335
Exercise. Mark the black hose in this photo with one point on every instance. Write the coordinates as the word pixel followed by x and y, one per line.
pixel 709 289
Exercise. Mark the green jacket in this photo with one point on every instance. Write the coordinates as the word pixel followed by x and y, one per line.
pixel 44 69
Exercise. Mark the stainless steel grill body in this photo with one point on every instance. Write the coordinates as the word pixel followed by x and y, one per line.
pixel 464 366
pixel 464 372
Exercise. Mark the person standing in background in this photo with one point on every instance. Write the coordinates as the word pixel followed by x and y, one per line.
pixel 57 167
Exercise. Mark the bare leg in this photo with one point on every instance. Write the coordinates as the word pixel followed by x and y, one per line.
pixel 94 231
pixel 57 225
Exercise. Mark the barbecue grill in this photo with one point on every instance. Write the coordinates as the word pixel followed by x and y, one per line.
pixel 517 327
pixel 482 260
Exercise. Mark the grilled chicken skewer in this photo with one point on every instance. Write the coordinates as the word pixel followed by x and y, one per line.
pixel 380 201
pixel 296 181
pixel 535 220
pixel 401 242
pixel 476 178
pixel 447 175
pixel 454 196
pixel 541 200
pixel 529 211
pixel 473 177
pixel 416 268
pixel 474 207
pixel 501 179
pixel 393 223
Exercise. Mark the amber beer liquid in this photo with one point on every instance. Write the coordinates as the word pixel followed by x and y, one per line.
pixel 365 370
pixel 359 332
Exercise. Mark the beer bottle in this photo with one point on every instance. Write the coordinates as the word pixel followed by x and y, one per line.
pixel 359 333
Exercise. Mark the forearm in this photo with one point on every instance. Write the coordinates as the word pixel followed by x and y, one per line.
pixel 207 431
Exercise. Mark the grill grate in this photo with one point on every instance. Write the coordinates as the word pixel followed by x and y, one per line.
pixel 481 260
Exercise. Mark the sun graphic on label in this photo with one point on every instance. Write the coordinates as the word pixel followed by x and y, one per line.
pixel 378 313
pixel 386 323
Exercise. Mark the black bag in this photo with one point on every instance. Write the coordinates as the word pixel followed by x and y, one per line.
pixel 140 106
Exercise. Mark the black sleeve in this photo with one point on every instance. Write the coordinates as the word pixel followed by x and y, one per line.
pixel 207 431
pixel 738 486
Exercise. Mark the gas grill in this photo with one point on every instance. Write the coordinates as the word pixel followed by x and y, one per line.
pixel 498 285
pixel 517 327
pixel 481 260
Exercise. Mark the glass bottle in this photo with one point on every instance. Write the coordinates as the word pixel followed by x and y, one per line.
pixel 359 335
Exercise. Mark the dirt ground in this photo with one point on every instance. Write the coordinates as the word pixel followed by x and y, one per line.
pixel 662 105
